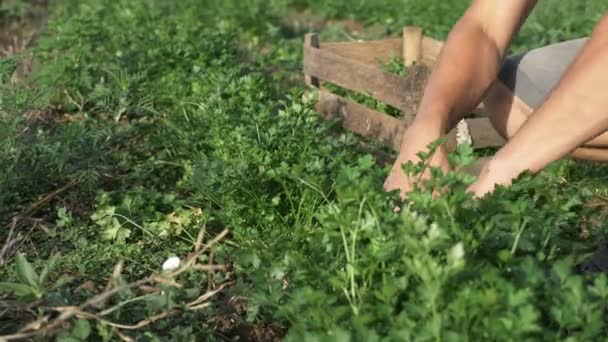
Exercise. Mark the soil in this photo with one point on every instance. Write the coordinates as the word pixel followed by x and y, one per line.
pixel 230 323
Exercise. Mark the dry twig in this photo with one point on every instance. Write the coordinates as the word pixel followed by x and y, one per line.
pixel 11 240
pixel 45 326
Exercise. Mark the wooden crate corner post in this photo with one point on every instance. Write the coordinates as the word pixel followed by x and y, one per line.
pixel 412 45
pixel 312 40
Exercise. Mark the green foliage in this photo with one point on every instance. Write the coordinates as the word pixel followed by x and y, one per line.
pixel 550 22
pixel 395 66
pixel 80 332
pixel 148 120
pixel 30 285
pixel 13 10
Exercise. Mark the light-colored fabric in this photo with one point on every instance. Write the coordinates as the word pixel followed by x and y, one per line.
pixel 533 75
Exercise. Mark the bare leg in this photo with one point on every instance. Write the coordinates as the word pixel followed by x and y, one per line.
pixel 508 113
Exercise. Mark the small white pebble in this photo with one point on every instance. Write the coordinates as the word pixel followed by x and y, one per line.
pixel 171 263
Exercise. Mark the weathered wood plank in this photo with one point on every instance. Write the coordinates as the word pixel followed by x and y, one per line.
pixel 412 45
pixel 380 51
pixel 431 48
pixel 361 120
pixel 373 52
pixel 376 126
pixel 406 91
pixel 483 133
pixel 312 40
pixel 388 130
pixel 360 77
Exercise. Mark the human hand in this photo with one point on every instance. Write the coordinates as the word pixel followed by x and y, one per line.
pixel 415 140
pixel 492 172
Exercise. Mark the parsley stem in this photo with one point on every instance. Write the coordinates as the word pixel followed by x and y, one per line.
pixel 518 236
pixel 134 224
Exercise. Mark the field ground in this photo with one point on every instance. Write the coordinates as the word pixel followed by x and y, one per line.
pixel 147 130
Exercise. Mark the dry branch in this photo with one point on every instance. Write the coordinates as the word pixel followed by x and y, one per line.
pixel 87 310
pixel 11 240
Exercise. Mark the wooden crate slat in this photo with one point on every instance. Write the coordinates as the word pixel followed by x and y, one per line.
pixel 371 52
pixel 312 40
pixel 412 45
pixel 357 76
pixel 431 48
pixel 357 53
pixel 483 133
pixel 361 120
pixel 355 66
pixel 374 52
pixel 388 130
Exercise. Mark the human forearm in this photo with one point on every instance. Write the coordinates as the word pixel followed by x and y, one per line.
pixel 468 64
pixel 575 112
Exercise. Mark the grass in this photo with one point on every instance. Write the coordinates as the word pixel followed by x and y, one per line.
pixel 147 124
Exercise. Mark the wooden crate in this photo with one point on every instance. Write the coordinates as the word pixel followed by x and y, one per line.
pixel 356 66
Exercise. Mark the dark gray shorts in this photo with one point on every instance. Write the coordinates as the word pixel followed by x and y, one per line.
pixel 533 74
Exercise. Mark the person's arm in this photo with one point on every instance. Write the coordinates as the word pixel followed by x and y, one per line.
pixel 574 113
pixel 468 64
pixel 471 59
